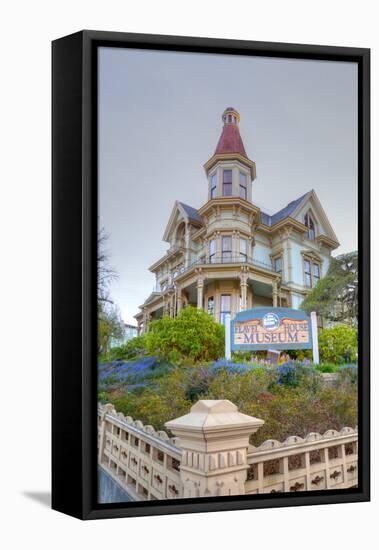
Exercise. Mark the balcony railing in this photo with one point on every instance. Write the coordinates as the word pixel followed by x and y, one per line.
pixel 217 259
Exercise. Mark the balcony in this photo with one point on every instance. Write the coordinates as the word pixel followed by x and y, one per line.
pixel 217 259
pixel 227 259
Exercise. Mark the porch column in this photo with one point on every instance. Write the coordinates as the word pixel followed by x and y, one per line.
pixel 179 301
pixel 200 291
pixel 146 319
pixel 187 244
pixel 275 293
pixel 243 285
pixel 289 260
pixel 171 305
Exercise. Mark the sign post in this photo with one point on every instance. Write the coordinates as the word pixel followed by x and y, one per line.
pixel 316 358
pixel 228 352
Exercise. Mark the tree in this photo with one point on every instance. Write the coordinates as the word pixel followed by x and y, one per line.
pixel 335 297
pixel 109 325
pixel 105 273
pixel 109 322
pixel 338 344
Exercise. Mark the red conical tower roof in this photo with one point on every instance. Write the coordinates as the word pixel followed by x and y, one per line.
pixel 230 140
pixel 230 145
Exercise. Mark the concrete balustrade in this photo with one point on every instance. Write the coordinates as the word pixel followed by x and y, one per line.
pixel 211 456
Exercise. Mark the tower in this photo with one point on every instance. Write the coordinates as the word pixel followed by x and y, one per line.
pixel 230 171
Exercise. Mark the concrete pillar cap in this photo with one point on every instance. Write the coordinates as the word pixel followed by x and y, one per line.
pixel 214 415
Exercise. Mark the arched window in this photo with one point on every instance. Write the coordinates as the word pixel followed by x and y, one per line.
pixel 309 222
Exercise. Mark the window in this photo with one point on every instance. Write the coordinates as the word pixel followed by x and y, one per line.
pixel 226 249
pixel 312 273
pixel 227 178
pixel 213 185
pixel 225 306
pixel 243 250
pixel 243 186
pixel 278 266
pixel 212 251
pixel 211 305
pixel 308 221
pixel 316 274
pixel 308 273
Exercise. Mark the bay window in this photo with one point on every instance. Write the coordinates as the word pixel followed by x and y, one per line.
pixel 243 186
pixel 226 249
pixel 227 180
pixel 212 251
pixel 243 250
pixel 213 186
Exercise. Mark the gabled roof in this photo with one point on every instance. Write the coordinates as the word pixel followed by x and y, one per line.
pixel 230 141
pixel 188 213
pixel 293 209
pixel 191 212
pixel 284 212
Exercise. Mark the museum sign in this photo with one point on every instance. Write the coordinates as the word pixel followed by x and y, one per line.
pixel 271 328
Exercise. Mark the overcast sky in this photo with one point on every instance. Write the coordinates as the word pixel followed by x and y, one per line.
pixel 159 122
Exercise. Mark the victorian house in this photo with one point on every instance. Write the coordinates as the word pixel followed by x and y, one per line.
pixel 230 255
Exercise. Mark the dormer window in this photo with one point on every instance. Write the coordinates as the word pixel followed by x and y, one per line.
pixel 243 186
pixel 227 180
pixel 213 186
pixel 310 224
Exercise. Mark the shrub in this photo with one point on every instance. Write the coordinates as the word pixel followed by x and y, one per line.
pixel 293 374
pixel 193 335
pixel 327 367
pixel 299 411
pixel 132 349
pixel 241 356
pixel 338 344
pixel 348 374
pixel 300 404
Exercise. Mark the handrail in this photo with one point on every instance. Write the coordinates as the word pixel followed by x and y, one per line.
pixel 220 259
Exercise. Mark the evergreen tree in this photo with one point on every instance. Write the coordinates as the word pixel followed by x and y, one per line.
pixel 335 297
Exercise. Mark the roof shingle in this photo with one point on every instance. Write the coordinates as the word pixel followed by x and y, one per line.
pixel 230 141
pixel 283 213
pixel 191 212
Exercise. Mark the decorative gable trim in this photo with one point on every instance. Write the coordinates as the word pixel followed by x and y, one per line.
pixel 178 208
pixel 318 211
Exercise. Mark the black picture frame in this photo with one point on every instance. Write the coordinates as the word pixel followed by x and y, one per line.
pixel 74 205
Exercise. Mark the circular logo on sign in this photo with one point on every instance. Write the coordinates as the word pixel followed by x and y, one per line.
pixel 270 321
